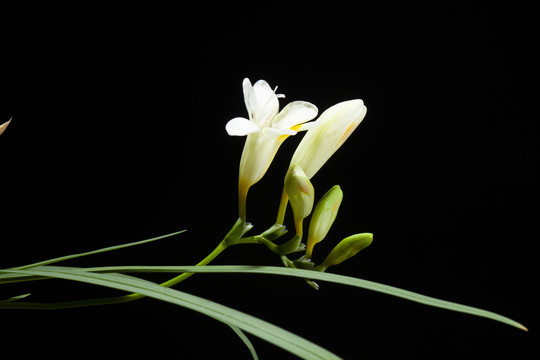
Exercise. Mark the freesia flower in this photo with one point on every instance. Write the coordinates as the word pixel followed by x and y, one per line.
pixel 266 129
pixel 329 132
pixel 4 126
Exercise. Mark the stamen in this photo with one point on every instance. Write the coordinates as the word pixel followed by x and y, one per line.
pixel 278 95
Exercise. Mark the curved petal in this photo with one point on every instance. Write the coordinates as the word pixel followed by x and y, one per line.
pixel 334 126
pixel 268 102
pixel 261 102
pixel 240 127
pixel 295 113
pixel 250 99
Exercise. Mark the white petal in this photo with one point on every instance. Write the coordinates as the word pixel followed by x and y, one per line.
pixel 294 113
pixel 279 132
pixel 268 104
pixel 240 127
pixel 263 92
pixel 261 102
pixel 250 99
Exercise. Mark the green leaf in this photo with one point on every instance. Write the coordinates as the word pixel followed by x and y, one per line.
pixel 13 277
pixel 315 275
pixel 260 328
pixel 14 298
pixel 246 341
pixel 98 251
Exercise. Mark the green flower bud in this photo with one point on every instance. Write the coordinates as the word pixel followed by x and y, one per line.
pixel 346 249
pixel 301 195
pixel 323 217
pixel 238 230
pixel 274 232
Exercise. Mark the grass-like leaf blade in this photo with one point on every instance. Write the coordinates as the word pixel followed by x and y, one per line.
pixel 98 251
pixel 315 275
pixel 245 340
pixel 260 328
pixel 14 298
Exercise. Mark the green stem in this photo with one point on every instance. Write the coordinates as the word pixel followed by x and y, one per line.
pixel 218 250
pixel 282 207
pixel 258 240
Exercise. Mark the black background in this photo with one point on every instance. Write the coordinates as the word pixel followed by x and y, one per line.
pixel 118 135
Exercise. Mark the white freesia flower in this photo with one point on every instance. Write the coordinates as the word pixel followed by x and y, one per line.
pixel 266 129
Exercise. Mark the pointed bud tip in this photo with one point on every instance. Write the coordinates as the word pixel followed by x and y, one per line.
pixel 313 284
pixel 348 248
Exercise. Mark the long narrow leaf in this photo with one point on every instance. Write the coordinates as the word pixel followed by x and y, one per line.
pixel 98 251
pixel 315 275
pixel 245 340
pixel 260 328
pixel 14 298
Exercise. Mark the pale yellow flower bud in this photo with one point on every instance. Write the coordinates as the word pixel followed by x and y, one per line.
pixel 322 140
pixel 329 132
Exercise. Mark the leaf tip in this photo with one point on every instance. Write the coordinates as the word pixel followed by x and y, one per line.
pixel 4 126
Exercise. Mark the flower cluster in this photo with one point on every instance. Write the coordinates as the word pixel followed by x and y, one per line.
pixel 266 128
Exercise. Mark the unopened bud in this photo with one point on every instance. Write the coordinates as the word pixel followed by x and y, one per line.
pixel 323 217
pixel 346 249
pixel 301 194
